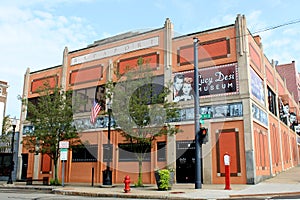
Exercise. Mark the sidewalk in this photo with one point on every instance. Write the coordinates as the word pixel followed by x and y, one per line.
pixel 286 183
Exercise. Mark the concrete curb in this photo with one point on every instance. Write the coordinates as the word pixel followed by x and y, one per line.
pixel 180 194
pixel 277 194
pixel 124 195
pixel 7 186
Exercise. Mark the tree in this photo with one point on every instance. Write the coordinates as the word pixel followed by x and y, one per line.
pixel 51 114
pixel 141 109
pixel 6 124
pixel 4 139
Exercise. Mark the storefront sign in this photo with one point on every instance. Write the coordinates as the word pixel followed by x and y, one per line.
pixel 134 46
pixel 216 80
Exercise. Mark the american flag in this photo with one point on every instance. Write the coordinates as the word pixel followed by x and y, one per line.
pixel 94 111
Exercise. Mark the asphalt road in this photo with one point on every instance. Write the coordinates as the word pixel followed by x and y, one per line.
pixel 29 194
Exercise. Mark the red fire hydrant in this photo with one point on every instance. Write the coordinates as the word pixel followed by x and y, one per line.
pixel 127 184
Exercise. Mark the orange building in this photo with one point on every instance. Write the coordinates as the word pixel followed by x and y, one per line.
pixel 244 104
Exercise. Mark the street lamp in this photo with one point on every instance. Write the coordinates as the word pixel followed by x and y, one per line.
pixel 198 146
pixel 107 174
pixel 14 124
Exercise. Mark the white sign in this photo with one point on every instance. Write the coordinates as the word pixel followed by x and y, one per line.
pixel 63 154
pixel 142 44
pixel 64 144
pixel 226 159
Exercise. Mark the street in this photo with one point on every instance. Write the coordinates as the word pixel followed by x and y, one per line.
pixel 19 194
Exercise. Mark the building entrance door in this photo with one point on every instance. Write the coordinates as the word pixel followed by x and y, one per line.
pixel 185 163
pixel 24 166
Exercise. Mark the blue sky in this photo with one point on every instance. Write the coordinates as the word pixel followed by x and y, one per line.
pixel 33 33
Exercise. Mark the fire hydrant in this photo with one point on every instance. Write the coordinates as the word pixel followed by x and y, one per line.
pixel 127 184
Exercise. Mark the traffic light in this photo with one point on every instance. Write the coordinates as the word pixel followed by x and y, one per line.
pixel 203 135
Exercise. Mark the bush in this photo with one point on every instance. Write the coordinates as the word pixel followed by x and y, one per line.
pixel 55 182
pixel 164 179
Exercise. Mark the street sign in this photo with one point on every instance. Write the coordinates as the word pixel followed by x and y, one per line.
pixel 63 144
pixel 63 154
pixel 205 116
pixel 201 121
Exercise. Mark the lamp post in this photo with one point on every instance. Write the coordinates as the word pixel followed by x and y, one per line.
pixel 198 146
pixel 14 124
pixel 107 174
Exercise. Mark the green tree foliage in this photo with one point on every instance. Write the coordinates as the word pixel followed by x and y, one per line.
pixel 6 124
pixel 4 138
pixel 141 109
pixel 52 117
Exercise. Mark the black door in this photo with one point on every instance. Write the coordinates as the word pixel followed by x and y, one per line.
pixel 185 164
pixel 24 166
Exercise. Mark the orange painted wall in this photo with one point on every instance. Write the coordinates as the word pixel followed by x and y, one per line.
pixel 270 75
pixel 275 145
pixel 210 42
pixel 261 150
pixel 287 160
pixel 116 58
pixel 230 127
pixel 81 172
pixel 37 79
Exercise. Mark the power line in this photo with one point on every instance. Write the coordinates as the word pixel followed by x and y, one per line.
pixel 277 26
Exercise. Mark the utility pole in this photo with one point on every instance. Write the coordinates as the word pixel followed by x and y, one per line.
pixel 198 146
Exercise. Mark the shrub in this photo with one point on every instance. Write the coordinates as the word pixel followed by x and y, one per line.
pixel 164 180
pixel 54 182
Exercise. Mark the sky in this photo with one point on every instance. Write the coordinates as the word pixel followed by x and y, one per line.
pixel 34 33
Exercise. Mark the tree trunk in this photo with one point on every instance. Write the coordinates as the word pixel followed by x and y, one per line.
pixel 140 178
pixel 56 182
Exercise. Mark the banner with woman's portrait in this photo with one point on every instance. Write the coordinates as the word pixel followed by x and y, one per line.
pixel 217 80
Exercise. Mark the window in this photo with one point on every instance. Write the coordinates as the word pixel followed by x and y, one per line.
pixel 85 153
pixel 161 151
pixel 1 91
pixel 86 97
pixel 127 152
pixel 272 101
pixel 5 164
pixel 34 101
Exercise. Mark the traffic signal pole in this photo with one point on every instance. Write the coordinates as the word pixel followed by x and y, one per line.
pixel 198 145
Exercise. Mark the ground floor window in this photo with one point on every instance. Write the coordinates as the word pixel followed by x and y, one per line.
pixel 161 151
pixel 127 152
pixel 5 159
pixel 85 153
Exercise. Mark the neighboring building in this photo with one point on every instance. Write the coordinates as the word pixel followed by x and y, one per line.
pixel 243 100
pixel 5 153
pixel 3 99
pixel 289 73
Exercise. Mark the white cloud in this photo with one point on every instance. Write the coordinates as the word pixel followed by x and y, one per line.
pixel 35 38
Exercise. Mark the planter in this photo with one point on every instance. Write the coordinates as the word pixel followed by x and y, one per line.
pixel 164 179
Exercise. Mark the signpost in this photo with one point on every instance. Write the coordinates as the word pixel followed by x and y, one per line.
pixel 63 146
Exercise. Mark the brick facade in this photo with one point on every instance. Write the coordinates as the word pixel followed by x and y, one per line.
pixel 240 91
